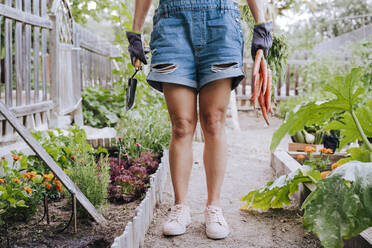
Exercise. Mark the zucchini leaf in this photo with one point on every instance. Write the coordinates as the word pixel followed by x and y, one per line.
pixel 341 205
pixel 276 193
pixel 346 98
pixel 346 124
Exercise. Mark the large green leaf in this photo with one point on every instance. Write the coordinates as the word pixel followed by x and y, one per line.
pixel 341 205
pixel 346 98
pixel 276 193
pixel 346 125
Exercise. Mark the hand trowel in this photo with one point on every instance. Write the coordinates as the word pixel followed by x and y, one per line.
pixel 132 84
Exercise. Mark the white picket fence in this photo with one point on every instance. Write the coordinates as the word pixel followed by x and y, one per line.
pixel 134 233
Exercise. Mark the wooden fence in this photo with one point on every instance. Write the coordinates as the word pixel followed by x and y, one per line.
pixel 46 60
pixel 286 86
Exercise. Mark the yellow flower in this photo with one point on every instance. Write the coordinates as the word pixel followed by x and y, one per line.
pixel 28 189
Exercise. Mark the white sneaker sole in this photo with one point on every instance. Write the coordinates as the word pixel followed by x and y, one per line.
pixel 217 235
pixel 176 233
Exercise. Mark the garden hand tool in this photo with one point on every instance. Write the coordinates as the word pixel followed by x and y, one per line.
pixel 132 84
pixel 137 52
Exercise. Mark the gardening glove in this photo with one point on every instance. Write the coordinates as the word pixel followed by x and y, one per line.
pixel 136 47
pixel 262 38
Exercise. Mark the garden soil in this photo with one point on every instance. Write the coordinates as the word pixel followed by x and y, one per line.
pixel 248 168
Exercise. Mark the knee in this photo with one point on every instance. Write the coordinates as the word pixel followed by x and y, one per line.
pixel 213 122
pixel 183 127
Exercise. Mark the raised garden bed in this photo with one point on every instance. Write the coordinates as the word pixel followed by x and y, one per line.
pixel 284 162
pixel 36 233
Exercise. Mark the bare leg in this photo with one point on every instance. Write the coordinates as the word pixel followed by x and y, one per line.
pixel 181 103
pixel 214 98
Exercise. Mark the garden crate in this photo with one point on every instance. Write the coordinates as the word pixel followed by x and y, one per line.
pixel 300 147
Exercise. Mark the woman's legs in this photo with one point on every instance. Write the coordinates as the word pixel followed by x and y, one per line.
pixel 181 103
pixel 213 101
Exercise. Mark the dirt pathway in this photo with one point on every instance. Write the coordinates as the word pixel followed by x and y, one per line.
pixel 248 168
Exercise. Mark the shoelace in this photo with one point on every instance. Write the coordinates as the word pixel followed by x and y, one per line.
pixel 175 214
pixel 215 215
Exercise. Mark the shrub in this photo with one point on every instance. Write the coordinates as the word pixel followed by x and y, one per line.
pixel 92 179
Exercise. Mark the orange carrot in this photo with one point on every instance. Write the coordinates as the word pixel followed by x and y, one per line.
pixel 263 108
pixel 257 61
pixel 268 91
pixel 256 81
pixel 264 74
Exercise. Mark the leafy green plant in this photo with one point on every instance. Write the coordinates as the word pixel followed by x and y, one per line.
pixel 92 179
pixel 154 132
pixel 348 104
pixel 277 57
pixel 66 149
pixel 340 206
pixel 20 193
pixel 276 193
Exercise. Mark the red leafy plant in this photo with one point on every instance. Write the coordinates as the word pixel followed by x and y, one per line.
pixel 130 178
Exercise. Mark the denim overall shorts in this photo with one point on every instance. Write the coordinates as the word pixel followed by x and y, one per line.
pixel 194 42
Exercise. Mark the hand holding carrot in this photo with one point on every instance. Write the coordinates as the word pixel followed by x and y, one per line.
pixel 262 85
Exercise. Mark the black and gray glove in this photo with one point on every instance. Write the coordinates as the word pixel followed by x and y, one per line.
pixel 136 47
pixel 262 38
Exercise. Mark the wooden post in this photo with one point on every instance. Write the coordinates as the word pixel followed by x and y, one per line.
pixel 296 75
pixel 288 80
pixel 75 211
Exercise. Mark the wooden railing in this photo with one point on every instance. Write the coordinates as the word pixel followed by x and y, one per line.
pixel 46 60
pixel 24 80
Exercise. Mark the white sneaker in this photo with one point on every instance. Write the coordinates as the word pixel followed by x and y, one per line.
pixel 178 219
pixel 216 226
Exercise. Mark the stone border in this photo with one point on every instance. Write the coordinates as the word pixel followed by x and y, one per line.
pixel 135 231
pixel 282 163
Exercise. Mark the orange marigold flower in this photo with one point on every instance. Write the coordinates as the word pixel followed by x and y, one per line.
pixel 28 189
pixel 30 175
pixel 16 180
pixel 48 177
pixel 300 157
pixel 329 151
pixel 323 150
pixel 2 180
pixel 309 149
pixel 16 157
pixel 47 185
pixel 324 174
pixel 27 175
pixel 59 186
pixel 335 165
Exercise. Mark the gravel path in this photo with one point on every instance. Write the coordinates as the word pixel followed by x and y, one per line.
pixel 248 168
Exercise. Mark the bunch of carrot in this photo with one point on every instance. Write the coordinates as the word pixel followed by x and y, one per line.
pixel 262 85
